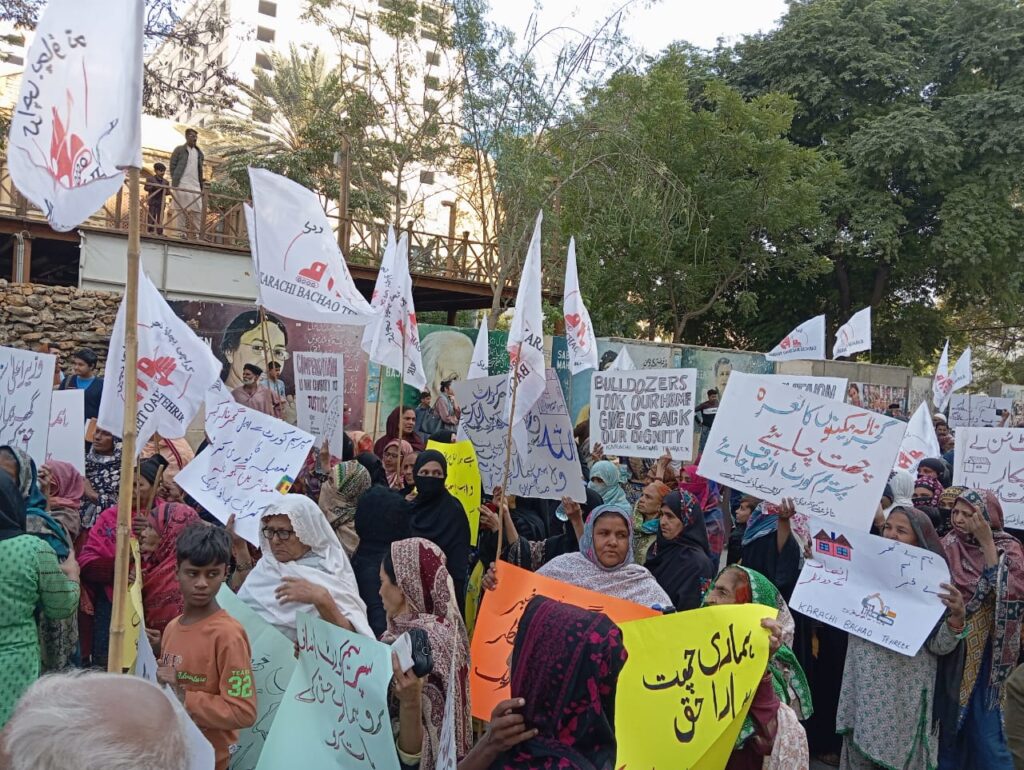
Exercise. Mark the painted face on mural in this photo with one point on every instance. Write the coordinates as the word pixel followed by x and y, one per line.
pixel 253 349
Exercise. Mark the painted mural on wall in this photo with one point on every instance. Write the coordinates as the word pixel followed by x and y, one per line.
pixel 715 365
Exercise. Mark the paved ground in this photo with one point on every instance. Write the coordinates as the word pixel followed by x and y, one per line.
pixel 816 765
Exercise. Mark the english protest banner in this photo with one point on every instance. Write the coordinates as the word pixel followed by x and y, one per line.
pixel 826 387
pixel 876 588
pixel 67 428
pixel 774 442
pixel 993 458
pixel 26 388
pixel 320 397
pixel 643 413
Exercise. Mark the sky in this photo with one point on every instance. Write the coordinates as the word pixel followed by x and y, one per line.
pixel 651 26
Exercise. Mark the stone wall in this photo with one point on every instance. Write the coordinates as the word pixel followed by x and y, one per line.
pixel 64 317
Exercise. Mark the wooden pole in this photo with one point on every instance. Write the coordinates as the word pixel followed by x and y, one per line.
pixel 129 433
pixel 376 405
pixel 401 403
pixel 508 466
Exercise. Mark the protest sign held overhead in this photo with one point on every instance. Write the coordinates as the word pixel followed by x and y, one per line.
pixel 463 479
pixel 878 589
pixel 993 459
pixel 479 366
pixel 772 441
pixel 805 343
pixel 550 468
pixel 919 441
pixel 643 413
pixel 826 387
pixel 300 269
pixel 978 411
pixel 175 369
pixel 498 621
pixel 77 122
pixel 26 390
pixel 335 710
pixel 320 397
pixel 67 428
pixel 693 675
pixel 579 329
pixel 854 336
pixel 251 459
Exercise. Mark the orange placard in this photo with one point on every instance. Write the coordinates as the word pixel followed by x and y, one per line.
pixel 498 620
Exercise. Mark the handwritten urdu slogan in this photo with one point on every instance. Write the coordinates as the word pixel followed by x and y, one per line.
pixel 692 675
pixel 26 387
pixel 772 441
pixel 993 458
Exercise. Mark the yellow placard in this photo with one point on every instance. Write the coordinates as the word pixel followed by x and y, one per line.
pixel 687 686
pixel 134 615
pixel 463 479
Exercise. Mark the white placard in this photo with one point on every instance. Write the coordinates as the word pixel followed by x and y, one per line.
pixel 643 413
pixel 878 589
pixel 253 457
pixel 827 387
pixel 993 459
pixel 320 396
pixel 26 387
pixel 67 428
pixel 773 442
pixel 977 411
pixel 551 469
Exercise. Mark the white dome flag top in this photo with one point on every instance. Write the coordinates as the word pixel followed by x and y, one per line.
pixel 527 378
pixel 301 271
pixel 942 384
pixel 394 338
pixel 77 121
pixel 854 336
pixel 579 331
pixel 479 366
pixel 623 362
pixel 962 374
pixel 805 343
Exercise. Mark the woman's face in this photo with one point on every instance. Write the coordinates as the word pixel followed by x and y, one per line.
pixel 251 350
pixel 102 442
pixel 10 465
pixel 408 421
pixel 141 488
pixel 928 473
pixel 922 496
pixel 671 526
pixel 391 595
pixel 611 540
pixel 897 527
pixel 650 502
pixel 962 512
pixel 169 489
pixel 284 543
pixel 391 459
pixel 724 590
pixel 45 479
pixel 407 465
pixel 432 470
pixel 149 538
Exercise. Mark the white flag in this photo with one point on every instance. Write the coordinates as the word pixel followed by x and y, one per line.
pixel 385 279
pixel 300 269
pixel 382 340
pixel 526 344
pixel 478 367
pixel 855 335
pixel 579 331
pixel 962 374
pixel 77 122
pixel 805 343
pixel 942 385
pixel 623 362
pixel 175 371
pixel 919 441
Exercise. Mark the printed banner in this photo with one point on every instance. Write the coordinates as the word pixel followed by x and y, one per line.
pixel 643 414
pixel 335 710
pixel 773 442
pixel 479 366
pixel 805 342
pixel 320 397
pixel 498 620
pixel 693 675
pixel 273 661
pixel 978 411
pixel 252 457
pixel 551 469
pixel 826 387
pixel 876 588
pixel 854 336
pixel 919 441
pixel 26 390
pixel 579 329
pixel 993 459
pixel 463 479
pixel 66 441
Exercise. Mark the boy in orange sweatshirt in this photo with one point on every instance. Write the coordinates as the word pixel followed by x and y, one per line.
pixel 204 653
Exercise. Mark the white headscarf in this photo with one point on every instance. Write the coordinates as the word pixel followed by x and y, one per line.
pixel 333 573
pixel 902 486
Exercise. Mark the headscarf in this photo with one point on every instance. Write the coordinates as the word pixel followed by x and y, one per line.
pixel 422 576
pixel 27 480
pixel 38 521
pixel 966 566
pixel 565 665
pixel 326 565
pixel 763 521
pixel 395 480
pixel 933 484
pixel 683 566
pixel 609 488
pixel 924 530
pixel 995 510
pixel 104 475
pixel 68 484
pixel 391 433
pixel 788 678
pixel 12 508
pixel 361 442
pixel 161 593
pixel 938 465
pixel 707 500
pixel 374 466
pixel 627 581
pixel 338 498
pixel 948 497
pixel 645 531
pixel 441 519
pixel 902 484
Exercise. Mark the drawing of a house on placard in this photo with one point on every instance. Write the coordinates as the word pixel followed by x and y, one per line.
pixel 829 544
pixel 977 465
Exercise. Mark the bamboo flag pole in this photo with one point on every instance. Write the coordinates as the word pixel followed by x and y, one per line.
pixel 376 406
pixel 401 404
pixel 508 465
pixel 129 432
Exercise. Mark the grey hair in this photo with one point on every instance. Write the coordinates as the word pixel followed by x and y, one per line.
pixel 70 720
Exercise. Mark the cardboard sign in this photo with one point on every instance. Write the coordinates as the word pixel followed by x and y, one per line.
pixel 320 397
pixel 26 387
pixel 977 411
pixel 993 458
pixel 67 428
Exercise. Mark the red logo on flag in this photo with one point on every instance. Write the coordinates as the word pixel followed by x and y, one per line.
pixel 156 369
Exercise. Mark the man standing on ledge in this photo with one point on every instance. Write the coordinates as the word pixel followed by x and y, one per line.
pixel 187 181
pixel 254 395
pixel 705 416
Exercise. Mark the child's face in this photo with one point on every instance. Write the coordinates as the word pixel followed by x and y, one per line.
pixel 743 512
pixel 199 585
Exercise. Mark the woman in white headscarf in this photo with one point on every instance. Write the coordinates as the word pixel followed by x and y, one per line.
pixel 303 568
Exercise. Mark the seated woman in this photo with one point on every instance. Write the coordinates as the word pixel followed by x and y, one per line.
pixel 771 736
pixel 604 562
pixel 394 455
pixel 158 543
pixel 417 593
pixel 303 568
pixel 382 517
pixel 894 726
pixel 339 494
pixel 647 519
pixel 680 559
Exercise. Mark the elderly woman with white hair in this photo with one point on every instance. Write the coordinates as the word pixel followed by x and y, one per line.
pixel 303 569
